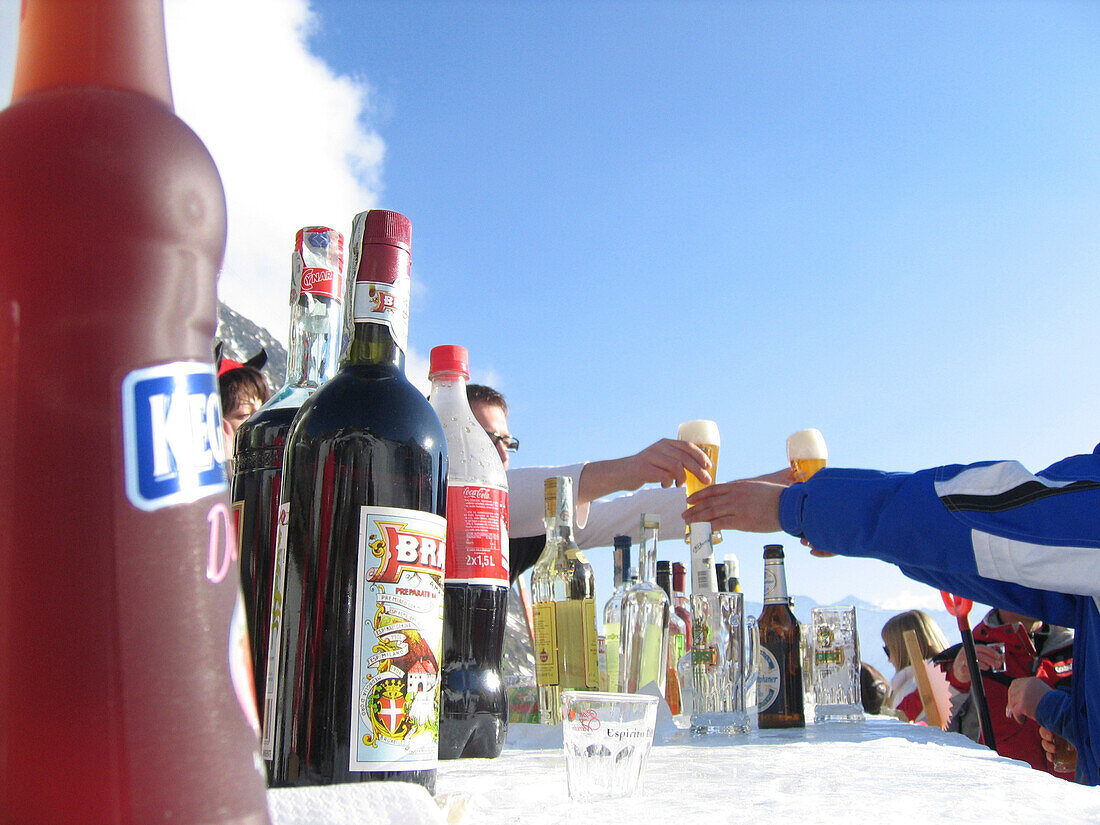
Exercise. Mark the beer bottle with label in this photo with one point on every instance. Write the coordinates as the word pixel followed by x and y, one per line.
pixel 316 301
pixel 473 718
pixel 125 691
pixel 563 591
pixel 361 577
pixel 779 684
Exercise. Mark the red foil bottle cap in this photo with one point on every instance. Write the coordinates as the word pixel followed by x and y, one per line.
pixel 385 242
pixel 449 358
pixel 383 226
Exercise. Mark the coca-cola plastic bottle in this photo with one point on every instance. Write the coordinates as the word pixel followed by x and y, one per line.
pixel 316 301
pixel 125 688
pixel 473 718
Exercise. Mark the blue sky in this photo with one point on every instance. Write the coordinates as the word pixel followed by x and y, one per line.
pixel 874 218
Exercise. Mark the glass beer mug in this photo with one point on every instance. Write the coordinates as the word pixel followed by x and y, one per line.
pixel 723 663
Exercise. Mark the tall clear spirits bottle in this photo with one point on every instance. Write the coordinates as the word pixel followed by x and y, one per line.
pixel 125 693
pixel 613 609
pixel 316 303
pixel 678 640
pixel 643 645
pixel 779 683
pixel 364 481
pixel 473 720
pixel 563 591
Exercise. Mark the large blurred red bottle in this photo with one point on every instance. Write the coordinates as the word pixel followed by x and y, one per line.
pixel 125 691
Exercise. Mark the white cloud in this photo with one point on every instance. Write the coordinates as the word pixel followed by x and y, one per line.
pixel 289 136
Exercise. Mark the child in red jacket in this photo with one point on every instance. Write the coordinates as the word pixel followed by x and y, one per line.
pixel 1031 648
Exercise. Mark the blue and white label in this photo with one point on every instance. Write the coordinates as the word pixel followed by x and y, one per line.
pixel 172 427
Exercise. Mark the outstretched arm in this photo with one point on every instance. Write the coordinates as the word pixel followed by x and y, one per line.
pixel 665 462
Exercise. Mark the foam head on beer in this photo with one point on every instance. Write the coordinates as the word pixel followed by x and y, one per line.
pixel 807 453
pixel 704 434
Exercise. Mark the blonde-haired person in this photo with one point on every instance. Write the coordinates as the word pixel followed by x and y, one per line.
pixel 904 700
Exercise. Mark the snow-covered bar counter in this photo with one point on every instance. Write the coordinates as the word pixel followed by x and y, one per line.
pixel 877 771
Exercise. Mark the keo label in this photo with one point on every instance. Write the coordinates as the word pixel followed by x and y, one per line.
pixel 172 428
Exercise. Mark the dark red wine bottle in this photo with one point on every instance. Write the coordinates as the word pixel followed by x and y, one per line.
pixel 365 487
pixel 316 323
pixel 125 689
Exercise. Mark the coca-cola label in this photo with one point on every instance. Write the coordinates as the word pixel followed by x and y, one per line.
pixel 172 435
pixel 398 640
pixel 321 282
pixel 477 535
pixel 387 304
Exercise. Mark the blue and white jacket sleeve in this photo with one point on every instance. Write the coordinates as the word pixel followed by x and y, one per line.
pixel 992 532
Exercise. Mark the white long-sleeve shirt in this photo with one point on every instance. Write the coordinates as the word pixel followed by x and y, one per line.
pixel 599 521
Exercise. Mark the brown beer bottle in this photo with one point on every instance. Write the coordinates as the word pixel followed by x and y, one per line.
pixel 779 685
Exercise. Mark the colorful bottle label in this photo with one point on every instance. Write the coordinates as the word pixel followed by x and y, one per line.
pixel 398 640
pixel 274 634
pixel 477 535
pixel 172 435
pixel 545 630
pixel 386 304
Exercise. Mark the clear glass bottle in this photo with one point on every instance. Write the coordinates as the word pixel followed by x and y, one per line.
pixel 563 591
pixel 643 645
pixel 613 610
pixel 364 477
pixel 124 658
pixel 779 683
pixel 473 718
pixel 678 640
pixel 316 305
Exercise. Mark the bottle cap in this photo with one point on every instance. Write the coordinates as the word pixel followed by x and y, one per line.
pixel 773 551
pixel 383 226
pixel 622 542
pixel 381 247
pixel 449 358
pixel 679 576
pixel 664 567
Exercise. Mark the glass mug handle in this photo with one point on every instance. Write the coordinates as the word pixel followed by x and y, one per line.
pixel 753 657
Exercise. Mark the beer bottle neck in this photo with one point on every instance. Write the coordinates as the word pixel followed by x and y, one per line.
pixel 622 565
pixel 105 44
pixel 775 582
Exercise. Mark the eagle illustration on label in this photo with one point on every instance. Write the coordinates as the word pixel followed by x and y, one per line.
pixel 398 638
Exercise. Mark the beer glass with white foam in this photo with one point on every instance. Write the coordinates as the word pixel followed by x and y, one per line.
pixel 807 453
pixel 703 434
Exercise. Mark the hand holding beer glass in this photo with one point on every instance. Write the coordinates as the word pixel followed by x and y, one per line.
pixel 703 434
pixel 807 453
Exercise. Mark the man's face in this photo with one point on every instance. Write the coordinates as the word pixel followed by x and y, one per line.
pixel 495 422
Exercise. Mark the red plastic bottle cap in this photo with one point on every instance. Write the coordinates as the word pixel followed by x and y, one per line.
pixel 449 358
pixel 383 226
